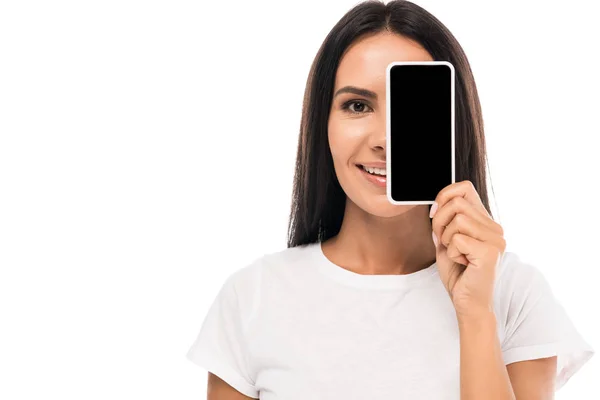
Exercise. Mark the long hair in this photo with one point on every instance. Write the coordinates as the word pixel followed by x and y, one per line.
pixel 318 200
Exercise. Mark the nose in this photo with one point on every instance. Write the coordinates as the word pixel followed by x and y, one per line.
pixel 377 139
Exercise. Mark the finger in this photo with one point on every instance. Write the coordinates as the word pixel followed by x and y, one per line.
pixel 443 251
pixel 458 205
pixel 478 253
pixel 466 225
pixel 464 189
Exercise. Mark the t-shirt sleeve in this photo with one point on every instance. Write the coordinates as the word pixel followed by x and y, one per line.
pixel 537 326
pixel 221 347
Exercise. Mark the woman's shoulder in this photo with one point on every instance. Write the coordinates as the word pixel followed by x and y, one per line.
pixel 271 265
pixel 247 286
pixel 515 272
pixel 520 284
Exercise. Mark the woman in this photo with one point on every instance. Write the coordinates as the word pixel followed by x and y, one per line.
pixel 376 301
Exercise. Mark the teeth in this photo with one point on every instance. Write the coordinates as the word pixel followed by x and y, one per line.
pixel 375 171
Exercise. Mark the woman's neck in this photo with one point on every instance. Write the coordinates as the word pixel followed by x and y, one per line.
pixel 371 245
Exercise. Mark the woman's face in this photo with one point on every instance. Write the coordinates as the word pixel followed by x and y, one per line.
pixel 357 121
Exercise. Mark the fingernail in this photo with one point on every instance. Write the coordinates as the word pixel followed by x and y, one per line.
pixel 433 209
pixel 435 241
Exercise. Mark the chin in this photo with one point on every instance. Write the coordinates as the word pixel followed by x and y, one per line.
pixel 379 206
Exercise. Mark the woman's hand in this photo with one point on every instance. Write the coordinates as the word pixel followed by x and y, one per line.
pixel 468 250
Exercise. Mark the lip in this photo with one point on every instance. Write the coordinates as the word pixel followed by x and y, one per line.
pixel 379 181
pixel 375 164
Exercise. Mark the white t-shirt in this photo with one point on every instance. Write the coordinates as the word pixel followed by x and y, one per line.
pixel 292 325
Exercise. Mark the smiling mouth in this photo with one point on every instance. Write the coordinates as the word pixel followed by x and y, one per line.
pixel 380 172
pixel 373 175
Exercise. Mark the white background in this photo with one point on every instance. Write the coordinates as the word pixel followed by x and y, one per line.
pixel 147 151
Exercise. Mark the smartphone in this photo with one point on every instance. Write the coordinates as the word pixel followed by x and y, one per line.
pixel 420 158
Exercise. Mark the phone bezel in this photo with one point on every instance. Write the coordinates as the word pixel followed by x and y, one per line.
pixel 388 126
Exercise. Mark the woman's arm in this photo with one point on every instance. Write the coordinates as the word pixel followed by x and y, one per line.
pixel 483 374
pixel 533 379
pixel 218 389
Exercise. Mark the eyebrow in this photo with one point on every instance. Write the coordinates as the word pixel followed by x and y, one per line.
pixel 357 91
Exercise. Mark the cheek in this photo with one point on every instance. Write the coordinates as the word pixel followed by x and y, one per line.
pixel 344 143
pixel 337 147
pixel 336 142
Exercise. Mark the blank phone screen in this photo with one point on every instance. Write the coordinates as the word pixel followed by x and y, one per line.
pixel 420 131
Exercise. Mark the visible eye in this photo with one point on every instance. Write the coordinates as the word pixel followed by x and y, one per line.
pixel 347 106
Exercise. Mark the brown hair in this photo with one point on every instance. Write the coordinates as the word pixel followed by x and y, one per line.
pixel 318 201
